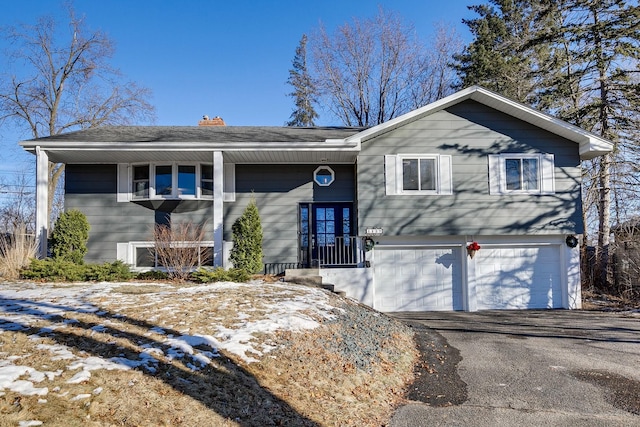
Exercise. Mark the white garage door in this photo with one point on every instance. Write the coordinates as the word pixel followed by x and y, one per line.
pixel 518 277
pixel 418 279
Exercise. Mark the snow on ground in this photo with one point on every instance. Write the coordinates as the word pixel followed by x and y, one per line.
pixel 27 305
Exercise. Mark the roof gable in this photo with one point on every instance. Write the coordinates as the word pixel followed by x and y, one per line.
pixel 590 145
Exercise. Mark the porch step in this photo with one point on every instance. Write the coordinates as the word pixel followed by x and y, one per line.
pixel 300 272
pixel 303 276
pixel 304 280
pixel 309 277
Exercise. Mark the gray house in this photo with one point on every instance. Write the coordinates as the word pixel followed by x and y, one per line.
pixel 390 214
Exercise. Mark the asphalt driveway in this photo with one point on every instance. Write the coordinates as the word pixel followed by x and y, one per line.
pixel 536 368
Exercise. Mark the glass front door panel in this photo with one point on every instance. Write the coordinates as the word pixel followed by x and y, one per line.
pixel 322 228
pixel 325 226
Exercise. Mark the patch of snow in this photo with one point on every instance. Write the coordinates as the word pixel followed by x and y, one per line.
pixel 92 363
pixel 80 377
pixel 9 380
pixel 81 396
pixel 284 307
pixel 30 423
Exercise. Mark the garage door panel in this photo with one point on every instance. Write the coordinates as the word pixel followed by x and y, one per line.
pixel 518 278
pixel 418 279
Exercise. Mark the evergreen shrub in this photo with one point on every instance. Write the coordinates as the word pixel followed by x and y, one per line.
pixel 69 237
pixel 219 274
pixel 247 240
pixel 59 270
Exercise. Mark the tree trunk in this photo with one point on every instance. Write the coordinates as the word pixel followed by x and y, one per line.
pixel 604 227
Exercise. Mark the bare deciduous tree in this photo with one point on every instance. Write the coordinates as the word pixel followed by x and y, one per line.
pixel 373 70
pixel 18 205
pixel 179 248
pixel 57 82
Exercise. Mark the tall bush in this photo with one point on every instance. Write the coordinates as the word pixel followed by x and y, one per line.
pixel 179 248
pixel 247 240
pixel 69 237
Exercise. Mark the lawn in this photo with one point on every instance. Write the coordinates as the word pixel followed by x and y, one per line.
pixel 224 354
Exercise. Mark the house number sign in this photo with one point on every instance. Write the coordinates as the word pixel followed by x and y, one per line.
pixel 373 231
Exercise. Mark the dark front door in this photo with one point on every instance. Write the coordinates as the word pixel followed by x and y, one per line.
pixel 324 228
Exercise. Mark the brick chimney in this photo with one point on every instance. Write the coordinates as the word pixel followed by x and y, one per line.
pixel 216 121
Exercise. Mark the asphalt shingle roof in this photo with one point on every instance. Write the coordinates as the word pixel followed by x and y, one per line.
pixel 212 134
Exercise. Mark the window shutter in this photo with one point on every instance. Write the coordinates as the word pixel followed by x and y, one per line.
pixel 229 182
pixel 494 174
pixel 122 252
pixel 124 183
pixel 446 181
pixel 547 174
pixel 390 175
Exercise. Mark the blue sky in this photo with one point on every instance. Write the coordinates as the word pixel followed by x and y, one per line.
pixel 226 58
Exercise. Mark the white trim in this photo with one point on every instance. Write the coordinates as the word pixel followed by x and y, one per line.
pixel 42 200
pixel 229 182
pixel 390 175
pixel 126 252
pixel 547 174
pixel 124 178
pixel 218 208
pixel 394 173
pixel 125 185
pixel 445 174
pixel 469 292
pixel 331 172
pixel 571 264
pixel 498 173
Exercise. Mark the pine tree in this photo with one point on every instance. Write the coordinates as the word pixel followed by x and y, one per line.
pixel 577 60
pixel 247 240
pixel 304 90
pixel 496 58
pixel 594 55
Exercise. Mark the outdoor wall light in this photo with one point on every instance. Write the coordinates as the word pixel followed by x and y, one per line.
pixel 369 244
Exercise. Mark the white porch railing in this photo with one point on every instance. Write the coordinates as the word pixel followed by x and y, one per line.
pixel 344 252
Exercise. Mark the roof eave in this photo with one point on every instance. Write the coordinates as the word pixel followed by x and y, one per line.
pixel 593 147
pixel 590 145
pixel 329 144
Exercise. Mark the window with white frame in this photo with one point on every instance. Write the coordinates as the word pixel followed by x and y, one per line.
pixel 206 180
pixel 413 174
pixel 517 173
pixel 141 181
pixel 142 255
pixel 172 181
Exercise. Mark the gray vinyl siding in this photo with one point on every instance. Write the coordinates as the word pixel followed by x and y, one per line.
pixel 278 190
pixel 469 131
pixel 92 190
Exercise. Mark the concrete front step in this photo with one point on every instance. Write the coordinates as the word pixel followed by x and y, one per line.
pixel 310 277
pixel 304 280
pixel 301 272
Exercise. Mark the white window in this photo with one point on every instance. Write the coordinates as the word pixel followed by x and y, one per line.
pixel 141 182
pixel 172 181
pixel 206 180
pixel 407 174
pixel 324 176
pixel 142 255
pixel 521 174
